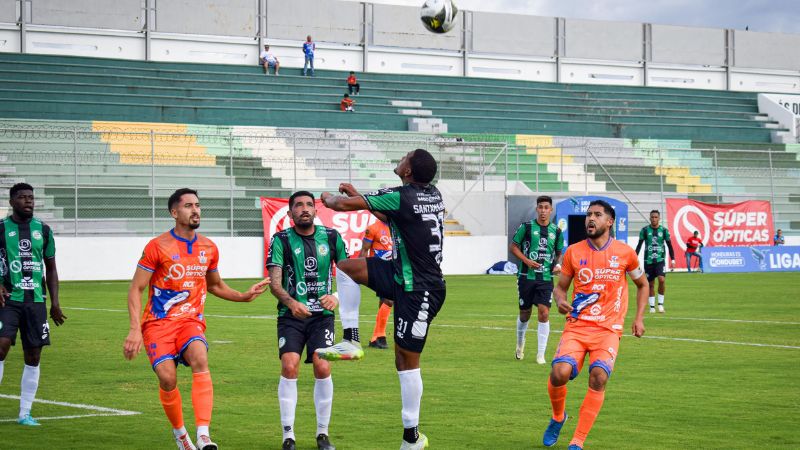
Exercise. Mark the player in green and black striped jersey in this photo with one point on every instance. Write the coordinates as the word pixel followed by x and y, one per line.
pixel 300 263
pixel 27 259
pixel 538 244
pixel 653 237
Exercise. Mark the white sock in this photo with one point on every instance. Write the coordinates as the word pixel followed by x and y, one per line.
pixel 543 333
pixel 323 400
pixel 202 431
pixel 2 365
pixel 522 327
pixel 28 387
pixel 661 299
pixel 652 301
pixel 287 398
pixel 349 300
pixel 178 432
pixel 411 395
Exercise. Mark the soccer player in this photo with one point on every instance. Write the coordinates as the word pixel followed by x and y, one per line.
pixel 413 278
pixel 653 238
pixel 180 268
pixel 595 318
pixel 27 259
pixel 538 244
pixel 300 263
pixel 693 246
pixel 378 242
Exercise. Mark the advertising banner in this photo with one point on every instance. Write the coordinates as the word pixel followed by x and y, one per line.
pixel 751 259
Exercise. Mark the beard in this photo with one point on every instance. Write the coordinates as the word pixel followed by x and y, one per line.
pixel 596 233
pixel 194 226
pixel 24 214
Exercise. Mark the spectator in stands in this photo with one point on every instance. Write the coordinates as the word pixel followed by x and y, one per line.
pixel 268 59
pixel 308 50
pixel 352 83
pixel 779 240
pixel 693 245
pixel 348 104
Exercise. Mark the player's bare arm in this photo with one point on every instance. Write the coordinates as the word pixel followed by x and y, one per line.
pixel 642 291
pixel 52 289
pixel 515 250
pixel 557 263
pixel 133 342
pixel 4 294
pixel 351 201
pixel 560 294
pixel 329 302
pixel 298 310
pixel 366 246
pixel 220 289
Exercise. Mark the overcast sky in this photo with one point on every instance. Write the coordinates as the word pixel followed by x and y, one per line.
pixel 779 16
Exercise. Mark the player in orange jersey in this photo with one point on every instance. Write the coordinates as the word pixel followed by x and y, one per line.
pixel 180 267
pixel 595 318
pixel 378 242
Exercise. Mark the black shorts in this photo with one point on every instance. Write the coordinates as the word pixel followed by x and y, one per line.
pixel 654 270
pixel 312 333
pixel 30 318
pixel 413 311
pixel 533 292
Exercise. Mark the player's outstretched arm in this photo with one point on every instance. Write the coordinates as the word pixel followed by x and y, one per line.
pixel 220 289
pixel 350 201
pixel 560 294
pixel 298 310
pixel 52 289
pixel 133 343
pixel 642 292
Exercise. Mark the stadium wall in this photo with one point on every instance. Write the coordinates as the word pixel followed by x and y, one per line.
pixel 390 39
pixel 114 258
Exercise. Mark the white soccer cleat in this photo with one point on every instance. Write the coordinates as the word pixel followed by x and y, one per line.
pixel 661 308
pixel 422 442
pixel 343 351
pixel 185 443
pixel 652 310
pixel 520 352
pixel 540 359
pixel 204 443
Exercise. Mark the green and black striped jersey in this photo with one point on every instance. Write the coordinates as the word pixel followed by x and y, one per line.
pixel 654 240
pixel 541 245
pixel 307 264
pixel 24 246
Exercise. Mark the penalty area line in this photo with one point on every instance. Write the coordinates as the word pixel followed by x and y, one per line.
pixel 101 411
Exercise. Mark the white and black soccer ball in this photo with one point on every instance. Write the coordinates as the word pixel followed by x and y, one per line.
pixel 438 16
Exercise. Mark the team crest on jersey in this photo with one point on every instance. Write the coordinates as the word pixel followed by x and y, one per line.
pixel 36 235
pixel 614 261
pixel 322 249
pixel 202 257
pixel 552 235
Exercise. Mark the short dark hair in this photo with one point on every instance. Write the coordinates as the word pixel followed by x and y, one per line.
pixel 655 211
pixel 299 194
pixel 346 95
pixel 352 72
pixel 606 207
pixel 696 232
pixel 175 198
pixel 423 166
pixel 19 187
pixel 544 199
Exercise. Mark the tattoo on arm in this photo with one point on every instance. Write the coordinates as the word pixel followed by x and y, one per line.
pixel 275 286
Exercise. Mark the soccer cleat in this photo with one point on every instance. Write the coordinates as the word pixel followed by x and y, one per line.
pixel 185 443
pixel 288 444
pixel 28 421
pixel 540 359
pixel 652 309
pixel 343 351
pixel 379 343
pixel 553 430
pixel 422 442
pixel 520 352
pixel 574 447
pixel 204 443
pixel 661 308
pixel 323 443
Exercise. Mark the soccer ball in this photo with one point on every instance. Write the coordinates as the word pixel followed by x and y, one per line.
pixel 438 16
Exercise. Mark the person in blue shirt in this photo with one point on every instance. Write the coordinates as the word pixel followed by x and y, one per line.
pixel 779 240
pixel 308 50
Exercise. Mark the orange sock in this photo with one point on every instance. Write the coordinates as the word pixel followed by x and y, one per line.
pixel 380 321
pixel 558 398
pixel 202 398
pixel 589 410
pixel 171 401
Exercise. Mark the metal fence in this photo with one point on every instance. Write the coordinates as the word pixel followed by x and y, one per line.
pixel 116 181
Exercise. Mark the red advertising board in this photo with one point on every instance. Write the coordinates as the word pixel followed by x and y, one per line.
pixel 735 224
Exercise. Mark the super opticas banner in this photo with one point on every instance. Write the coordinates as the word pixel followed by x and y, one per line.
pixel 736 224
pixel 751 259
pixel 351 225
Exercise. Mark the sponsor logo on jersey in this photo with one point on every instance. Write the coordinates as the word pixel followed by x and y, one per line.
pixel 310 264
pixel 12 233
pixel 24 245
pixel 15 266
pixel 585 276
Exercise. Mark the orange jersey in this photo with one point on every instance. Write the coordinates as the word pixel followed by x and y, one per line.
pixel 178 284
pixel 346 103
pixel 381 238
pixel 600 290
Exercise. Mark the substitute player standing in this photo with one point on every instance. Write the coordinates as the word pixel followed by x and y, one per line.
pixel 595 318
pixel 300 263
pixel 27 251
pixel 654 237
pixel 538 244
pixel 180 267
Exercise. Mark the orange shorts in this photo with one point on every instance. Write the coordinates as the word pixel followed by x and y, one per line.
pixel 166 340
pixel 600 343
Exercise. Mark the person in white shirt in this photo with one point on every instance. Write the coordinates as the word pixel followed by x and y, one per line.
pixel 268 59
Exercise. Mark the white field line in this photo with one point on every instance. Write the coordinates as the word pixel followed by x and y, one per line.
pixel 101 410
pixel 663 317
pixel 371 319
